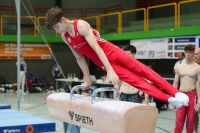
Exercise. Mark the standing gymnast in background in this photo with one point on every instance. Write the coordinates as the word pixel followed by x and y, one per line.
pixel 23 68
pixel 188 74
pixel 84 40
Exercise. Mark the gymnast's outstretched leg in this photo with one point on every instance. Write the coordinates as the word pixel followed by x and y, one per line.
pixel 146 87
pixel 143 71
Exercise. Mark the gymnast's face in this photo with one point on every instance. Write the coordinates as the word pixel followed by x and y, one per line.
pixel 189 55
pixel 60 27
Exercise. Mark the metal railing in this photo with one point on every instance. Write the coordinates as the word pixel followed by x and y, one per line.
pixel 119 21
pixel 163 5
pixel 135 10
pixel 38 24
pixel 179 9
pixel 8 8
pixel 26 17
pixel 97 21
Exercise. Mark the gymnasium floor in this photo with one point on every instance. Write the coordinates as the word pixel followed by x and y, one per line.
pixel 35 104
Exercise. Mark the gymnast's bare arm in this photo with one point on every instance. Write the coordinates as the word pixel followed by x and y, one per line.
pixel 116 86
pixel 82 64
pixel 198 88
pixel 176 78
pixel 86 31
pixel 24 63
pixel 60 71
pixel 53 71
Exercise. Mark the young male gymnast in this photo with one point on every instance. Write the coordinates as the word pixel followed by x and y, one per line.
pixel 84 40
pixel 188 74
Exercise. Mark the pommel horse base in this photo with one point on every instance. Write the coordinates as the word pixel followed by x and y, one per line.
pixel 100 114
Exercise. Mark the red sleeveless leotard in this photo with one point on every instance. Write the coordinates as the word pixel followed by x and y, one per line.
pixel 81 45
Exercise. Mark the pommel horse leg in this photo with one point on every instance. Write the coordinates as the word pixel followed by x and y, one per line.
pixel 69 128
pixel 100 114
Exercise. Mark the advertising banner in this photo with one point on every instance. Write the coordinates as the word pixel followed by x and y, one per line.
pixel 32 51
pixel 163 47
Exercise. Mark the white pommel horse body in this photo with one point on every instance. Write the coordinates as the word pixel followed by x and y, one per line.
pixel 100 114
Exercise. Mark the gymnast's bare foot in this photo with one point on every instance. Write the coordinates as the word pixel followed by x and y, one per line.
pixel 183 96
pixel 177 102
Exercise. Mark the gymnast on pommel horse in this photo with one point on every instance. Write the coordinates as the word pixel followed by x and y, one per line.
pixel 82 39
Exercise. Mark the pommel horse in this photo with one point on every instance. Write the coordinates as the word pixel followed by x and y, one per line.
pixel 101 114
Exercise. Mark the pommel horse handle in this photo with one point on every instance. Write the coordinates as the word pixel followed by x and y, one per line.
pixel 104 89
pixel 77 87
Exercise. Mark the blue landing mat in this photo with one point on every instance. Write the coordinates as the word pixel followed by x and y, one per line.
pixel 19 122
pixel 4 106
